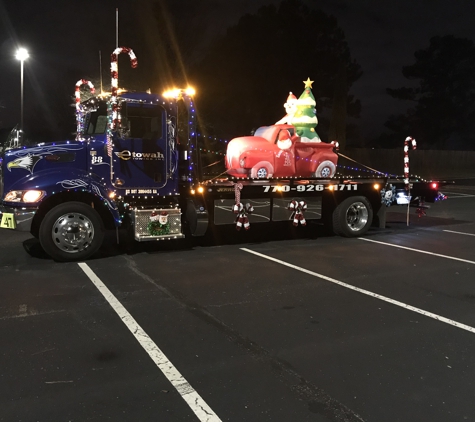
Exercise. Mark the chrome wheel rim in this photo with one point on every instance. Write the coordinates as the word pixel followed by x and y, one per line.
pixel 357 216
pixel 326 172
pixel 72 232
pixel 262 172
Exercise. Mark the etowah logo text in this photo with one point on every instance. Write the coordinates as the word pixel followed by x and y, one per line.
pixel 127 155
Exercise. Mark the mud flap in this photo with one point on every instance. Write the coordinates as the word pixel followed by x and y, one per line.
pixel 197 217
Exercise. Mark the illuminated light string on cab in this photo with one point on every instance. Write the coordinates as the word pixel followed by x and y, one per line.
pixel 192 132
pixel 79 110
pixel 114 104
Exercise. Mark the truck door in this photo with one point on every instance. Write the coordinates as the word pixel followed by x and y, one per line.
pixel 141 158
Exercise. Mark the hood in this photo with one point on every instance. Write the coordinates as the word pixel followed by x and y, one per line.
pixel 23 164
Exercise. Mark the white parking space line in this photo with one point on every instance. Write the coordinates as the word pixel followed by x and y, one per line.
pixel 417 250
pixel 187 392
pixel 466 234
pixel 366 292
pixel 458 195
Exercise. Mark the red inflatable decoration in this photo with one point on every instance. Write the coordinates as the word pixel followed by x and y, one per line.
pixel 276 151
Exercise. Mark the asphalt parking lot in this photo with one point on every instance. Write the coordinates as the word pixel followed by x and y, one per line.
pixel 310 328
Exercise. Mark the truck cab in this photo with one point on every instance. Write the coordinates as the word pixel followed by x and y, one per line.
pixel 142 154
pixel 67 193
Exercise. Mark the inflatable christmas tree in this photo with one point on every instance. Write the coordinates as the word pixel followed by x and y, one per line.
pixel 305 117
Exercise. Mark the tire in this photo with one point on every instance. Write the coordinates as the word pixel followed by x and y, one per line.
pixel 262 170
pixel 325 169
pixel 353 217
pixel 71 231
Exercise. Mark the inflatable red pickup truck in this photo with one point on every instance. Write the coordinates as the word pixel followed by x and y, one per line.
pixel 276 151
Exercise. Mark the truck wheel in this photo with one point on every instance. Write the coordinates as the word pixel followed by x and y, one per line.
pixel 352 217
pixel 262 170
pixel 325 169
pixel 71 231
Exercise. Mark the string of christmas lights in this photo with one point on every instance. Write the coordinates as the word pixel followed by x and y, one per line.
pixel 114 111
pixel 79 109
pixel 368 170
pixel 349 168
pixel 192 134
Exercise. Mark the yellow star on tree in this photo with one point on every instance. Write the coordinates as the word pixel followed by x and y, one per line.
pixel 308 83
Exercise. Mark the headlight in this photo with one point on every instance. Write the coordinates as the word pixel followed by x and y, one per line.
pixel 242 162
pixel 26 196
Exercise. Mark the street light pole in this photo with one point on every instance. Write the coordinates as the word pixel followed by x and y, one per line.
pixel 22 55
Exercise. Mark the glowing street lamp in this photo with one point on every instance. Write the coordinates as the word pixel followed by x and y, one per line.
pixel 22 55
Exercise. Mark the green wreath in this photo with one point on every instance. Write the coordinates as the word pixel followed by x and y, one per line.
pixel 157 229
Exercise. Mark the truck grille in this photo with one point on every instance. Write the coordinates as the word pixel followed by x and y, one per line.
pixel 146 228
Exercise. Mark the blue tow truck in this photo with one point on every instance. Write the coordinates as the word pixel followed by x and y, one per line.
pixel 137 164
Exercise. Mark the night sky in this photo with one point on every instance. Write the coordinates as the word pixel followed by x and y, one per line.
pixel 64 38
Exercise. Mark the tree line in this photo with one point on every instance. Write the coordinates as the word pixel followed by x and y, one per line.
pixel 244 76
pixel 244 79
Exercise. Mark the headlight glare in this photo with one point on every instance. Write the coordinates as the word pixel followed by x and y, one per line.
pixel 25 196
pixel 13 196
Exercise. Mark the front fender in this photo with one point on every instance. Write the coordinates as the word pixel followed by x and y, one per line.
pixel 72 181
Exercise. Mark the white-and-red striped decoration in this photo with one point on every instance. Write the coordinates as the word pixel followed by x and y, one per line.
pixel 242 220
pixel 237 193
pixel 407 142
pixel 115 108
pixel 79 111
pixel 298 207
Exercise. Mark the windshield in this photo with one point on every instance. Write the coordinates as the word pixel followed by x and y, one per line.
pixel 270 133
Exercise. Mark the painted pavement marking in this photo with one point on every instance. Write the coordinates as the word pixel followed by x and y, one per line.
pixel 459 195
pixel 367 292
pixel 466 234
pixel 187 392
pixel 418 250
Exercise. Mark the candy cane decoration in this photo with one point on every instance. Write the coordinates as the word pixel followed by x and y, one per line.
pixel 406 159
pixel 242 219
pixel 79 110
pixel 237 195
pixel 241 210
pixel 298 207
pixel 115 108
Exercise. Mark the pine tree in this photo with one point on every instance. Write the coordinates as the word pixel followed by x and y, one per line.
pixel 443 110
pixel 305 118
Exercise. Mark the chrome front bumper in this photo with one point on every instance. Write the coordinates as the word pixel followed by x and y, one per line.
pixel 17 218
